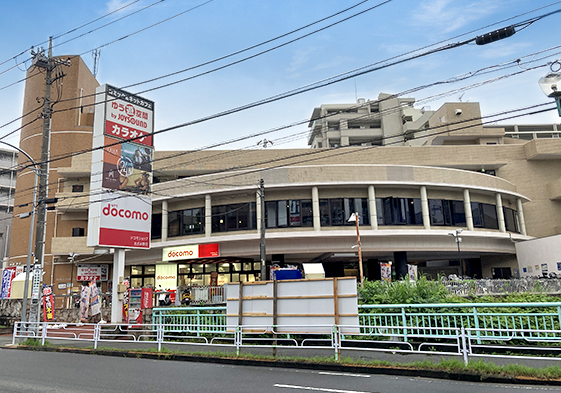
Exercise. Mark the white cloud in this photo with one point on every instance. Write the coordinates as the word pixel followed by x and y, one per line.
pixel 450 15
pixel 113 5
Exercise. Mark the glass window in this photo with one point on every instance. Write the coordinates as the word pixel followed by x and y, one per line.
pixel 282 217
pixel 436 212
pixel 337 212
pixel 324 212
pixel 458 213
pixel 295 213
pixel 156 232
pixel 136 282
pixel 173 224
pixel 490 216
pixel 415 211
pixel 197 268
pixel 447 210
pixel 257 266
pixel 271 214
pixel 224 268
pixel 510 220
pixel 243 217
pixel 380 211
pixel 247 266
pixel 184 269
pixel 477 214
pixel 136 270
pixel 307 213
pixel 236 267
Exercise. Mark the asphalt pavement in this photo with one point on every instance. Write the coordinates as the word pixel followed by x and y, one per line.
pixel 26 371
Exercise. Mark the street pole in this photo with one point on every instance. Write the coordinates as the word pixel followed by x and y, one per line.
pixel 262 246
pixel 49 64
pixel 359 251
pixel 458 241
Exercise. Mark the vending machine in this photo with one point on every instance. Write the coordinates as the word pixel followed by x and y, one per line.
pixel 139 300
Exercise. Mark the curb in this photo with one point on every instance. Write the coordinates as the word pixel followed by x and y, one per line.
pixel 357 369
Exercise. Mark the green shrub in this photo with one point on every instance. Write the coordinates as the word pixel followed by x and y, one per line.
pixel 403 292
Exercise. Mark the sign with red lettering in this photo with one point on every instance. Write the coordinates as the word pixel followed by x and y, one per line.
pixel 193 251
pixel 129 117
pixel 125 221
pixel 92 272
pixel 48 304
pixel 120 210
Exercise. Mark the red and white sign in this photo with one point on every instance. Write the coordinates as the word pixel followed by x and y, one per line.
pixel 191 252
pixel 92 272
pixel 129 117
pixel 125 221
pixel 120 210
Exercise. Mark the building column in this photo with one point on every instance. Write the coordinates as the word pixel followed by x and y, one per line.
pixel 208 215
pixel 467 210
pixel 500 212
pixel 164 221
pixel 372 207
pixel 425 207
pixel 258 211
pixel 118 276
pixel 315 209
pixel 520 212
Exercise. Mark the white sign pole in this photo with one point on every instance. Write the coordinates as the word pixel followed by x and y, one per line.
pixel 118 274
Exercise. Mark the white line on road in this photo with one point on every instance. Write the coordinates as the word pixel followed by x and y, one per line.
pixel 318 389
pixel 344 375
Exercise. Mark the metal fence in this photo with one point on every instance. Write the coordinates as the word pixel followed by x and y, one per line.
pixel 460 342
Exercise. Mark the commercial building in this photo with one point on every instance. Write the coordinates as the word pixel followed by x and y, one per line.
pixel 412 188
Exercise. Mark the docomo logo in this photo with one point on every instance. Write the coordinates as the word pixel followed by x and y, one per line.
pixel 165 278
pixel 181 253
pixel 125 213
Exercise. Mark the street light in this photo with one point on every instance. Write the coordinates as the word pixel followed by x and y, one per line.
pixel 355 217
pixel 458 240
pixel 28 263
pixel 551 84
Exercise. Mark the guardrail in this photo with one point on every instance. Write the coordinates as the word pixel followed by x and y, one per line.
pixel 406 320
pixel 192 319
pixel 488 322
pixel 459 342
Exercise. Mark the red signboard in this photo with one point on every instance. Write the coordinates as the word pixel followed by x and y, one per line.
pixel 48 304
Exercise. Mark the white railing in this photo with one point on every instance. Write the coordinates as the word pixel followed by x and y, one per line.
pixel 461 342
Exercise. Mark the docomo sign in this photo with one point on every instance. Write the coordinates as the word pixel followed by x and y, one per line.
pixel 113 210
pixel 191 252
pixel 125 221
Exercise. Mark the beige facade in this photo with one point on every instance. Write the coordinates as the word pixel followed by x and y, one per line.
pixel 427 174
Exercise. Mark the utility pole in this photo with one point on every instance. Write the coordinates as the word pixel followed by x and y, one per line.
pixel 49 64
pixel 262 248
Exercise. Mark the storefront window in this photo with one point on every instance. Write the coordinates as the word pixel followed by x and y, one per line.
pixel 510 220
pixel 490 216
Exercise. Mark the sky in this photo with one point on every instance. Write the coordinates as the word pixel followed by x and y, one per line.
pixel 131 51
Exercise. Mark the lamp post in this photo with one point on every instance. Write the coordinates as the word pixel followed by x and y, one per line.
pixel 28 263
pixel 458 240
pixel 551 85
pixel 355 217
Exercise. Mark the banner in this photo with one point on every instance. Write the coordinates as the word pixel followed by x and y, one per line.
pixel 92 272
pixel 386 271
pixel 190 252
pixel 8 275
pixel 48 304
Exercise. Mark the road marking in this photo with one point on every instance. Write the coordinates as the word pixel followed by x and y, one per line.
pixel 344 375
pixel 318 389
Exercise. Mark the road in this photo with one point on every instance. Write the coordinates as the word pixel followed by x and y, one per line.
pixel 30 371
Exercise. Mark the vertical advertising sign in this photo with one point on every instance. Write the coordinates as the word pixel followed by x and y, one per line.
pixel 120 204
pixel 48 304
pixel 8 275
